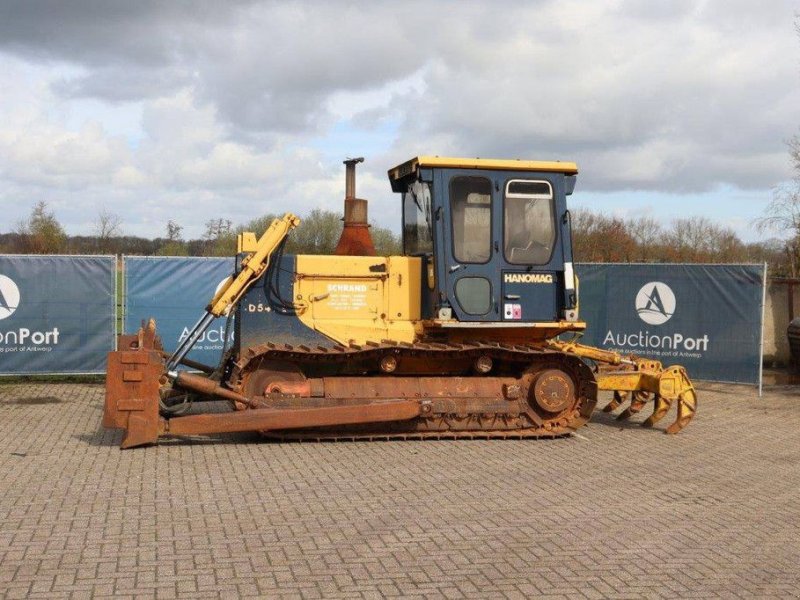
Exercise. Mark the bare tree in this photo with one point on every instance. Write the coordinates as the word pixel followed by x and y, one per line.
pixel 107 225
pixel 697 239
pixel 216 228
pixel 598 238
pixel 175 245
pixel 174 231
pixel 220 240
pixel 782 214
pixel 649 238
pixel 689 239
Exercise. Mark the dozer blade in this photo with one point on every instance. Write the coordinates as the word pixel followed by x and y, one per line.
pixel 132 393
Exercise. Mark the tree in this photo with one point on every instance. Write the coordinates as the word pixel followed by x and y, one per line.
pixel 783 212
pixel 258 225
pixel 42 233
pixel 689 239
pixel 386 242
pixel 216 228
pixel 770 251
pixel 649 238
pixel 697 239
pixel 597 238
pixel 174 231
pixel 219 237
pixel 174 245
pixel 107 225
pixel 317 233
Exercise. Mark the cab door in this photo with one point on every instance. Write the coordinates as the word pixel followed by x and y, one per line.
pixel 469 226
pixel 532 258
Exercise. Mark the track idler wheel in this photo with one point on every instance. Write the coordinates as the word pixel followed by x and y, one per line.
pixel 554 391
pixel 558 400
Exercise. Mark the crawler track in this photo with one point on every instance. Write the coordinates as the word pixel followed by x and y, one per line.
pixel 526 391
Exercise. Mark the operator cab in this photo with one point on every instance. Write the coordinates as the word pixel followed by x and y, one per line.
pixel 494 238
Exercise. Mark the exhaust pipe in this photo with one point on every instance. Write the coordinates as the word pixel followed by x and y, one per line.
pixel 355 239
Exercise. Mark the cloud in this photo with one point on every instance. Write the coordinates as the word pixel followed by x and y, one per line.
pixel 642 103
pixel 205 107
pixel 185 167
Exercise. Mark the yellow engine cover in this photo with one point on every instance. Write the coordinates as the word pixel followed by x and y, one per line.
pixel 355 299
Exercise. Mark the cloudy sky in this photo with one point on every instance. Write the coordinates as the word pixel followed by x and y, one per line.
pixel 189 111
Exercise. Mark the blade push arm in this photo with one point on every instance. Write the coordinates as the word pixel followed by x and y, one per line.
pixel 253 266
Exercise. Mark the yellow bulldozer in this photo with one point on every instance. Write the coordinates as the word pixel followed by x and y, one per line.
pixel 472 332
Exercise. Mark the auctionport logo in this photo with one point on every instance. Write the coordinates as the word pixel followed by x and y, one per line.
pixel 9 297
pixel 655 303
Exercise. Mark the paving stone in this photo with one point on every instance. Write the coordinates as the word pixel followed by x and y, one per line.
pixel 618 512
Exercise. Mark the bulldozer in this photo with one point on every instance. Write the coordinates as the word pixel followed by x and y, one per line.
pixel 473 331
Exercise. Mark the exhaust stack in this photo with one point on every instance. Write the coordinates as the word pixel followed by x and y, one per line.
pixel 355 239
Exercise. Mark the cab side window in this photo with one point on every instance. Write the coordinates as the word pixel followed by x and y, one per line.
pixel 471 210
pixel 417 227
pixel 529 227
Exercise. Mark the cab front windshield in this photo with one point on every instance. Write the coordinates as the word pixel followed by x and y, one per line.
pixel 417 234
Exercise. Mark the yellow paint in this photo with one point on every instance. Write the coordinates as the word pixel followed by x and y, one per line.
pixel 634 375
pixel 246 242
pixel 360 299
pixel 253 266
pixel 411 166
pixel 356 299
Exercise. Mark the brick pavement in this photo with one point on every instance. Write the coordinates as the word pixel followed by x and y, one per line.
pixel 617 512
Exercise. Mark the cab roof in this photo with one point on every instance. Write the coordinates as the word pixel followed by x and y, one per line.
pixel 493 164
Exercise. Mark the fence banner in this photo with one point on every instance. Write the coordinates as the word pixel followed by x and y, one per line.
pixel 174 291
pixel 57 314
pixel 707 318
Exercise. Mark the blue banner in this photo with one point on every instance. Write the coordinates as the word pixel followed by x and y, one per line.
pixel 57 314
pixel 707 318
pixel 175 291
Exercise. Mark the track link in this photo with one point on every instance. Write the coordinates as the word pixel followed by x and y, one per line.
pixel 524 365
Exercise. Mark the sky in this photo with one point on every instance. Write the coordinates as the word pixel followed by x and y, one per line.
pixel 191 111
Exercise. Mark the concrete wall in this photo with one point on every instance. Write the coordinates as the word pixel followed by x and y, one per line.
pixel 776 320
